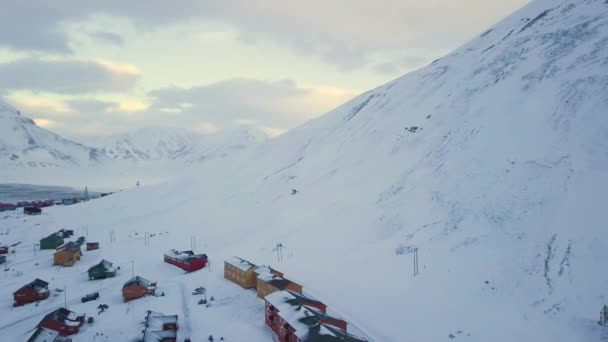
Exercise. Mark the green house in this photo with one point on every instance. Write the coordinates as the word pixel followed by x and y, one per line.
pixel 51 242
pixel 104 269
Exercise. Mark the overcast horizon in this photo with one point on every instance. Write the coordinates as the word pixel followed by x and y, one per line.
pixel 86 69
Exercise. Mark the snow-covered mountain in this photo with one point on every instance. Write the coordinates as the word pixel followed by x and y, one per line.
pixel 24 144
pixel 491 162
pixel 156 144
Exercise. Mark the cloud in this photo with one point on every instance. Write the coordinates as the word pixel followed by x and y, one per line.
pixel 67 76
pixel 107 37
pixel 346 33
pixel 278 104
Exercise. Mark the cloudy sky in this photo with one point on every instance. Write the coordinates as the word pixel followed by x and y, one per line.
pixel 98 67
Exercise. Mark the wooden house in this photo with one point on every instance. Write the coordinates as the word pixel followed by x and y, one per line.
pixel 91 246
pixel 241 272
pixel 103 270
pixel 44 335
pixel 160 328
pixel 137 287
pixel 52 241
pixel 35 291
pixel 67 255
pixel 186 260
pixel 32 211
pixel 267 283
pixel 293 321
pixel 64 321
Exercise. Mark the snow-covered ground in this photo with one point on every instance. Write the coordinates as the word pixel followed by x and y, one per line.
pixel 491 162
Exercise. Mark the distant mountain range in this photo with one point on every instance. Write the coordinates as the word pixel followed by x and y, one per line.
pixel 25 144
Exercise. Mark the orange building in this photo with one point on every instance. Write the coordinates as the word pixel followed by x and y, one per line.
pixel 67 255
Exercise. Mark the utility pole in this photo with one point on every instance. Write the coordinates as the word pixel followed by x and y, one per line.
pixel 86 194
pixel 415 262
pixel 279 248
pixel 132 268
pixel 65 297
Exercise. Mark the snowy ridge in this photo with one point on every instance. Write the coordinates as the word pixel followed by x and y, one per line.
pixel 491 162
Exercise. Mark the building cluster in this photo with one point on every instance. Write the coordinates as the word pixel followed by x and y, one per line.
pixel 186 260
pixel 291 315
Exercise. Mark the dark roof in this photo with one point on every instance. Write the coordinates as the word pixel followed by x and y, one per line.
pixel 301 299
pixel 70 247
pixel 54 236
pixel 139 281
pixel 276 281
pixel 316 333
pixel 103 264
pixel 61 315
pixel 37 285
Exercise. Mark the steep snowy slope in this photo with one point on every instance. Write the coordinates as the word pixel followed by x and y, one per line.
pixel 23 143
pixel 492 162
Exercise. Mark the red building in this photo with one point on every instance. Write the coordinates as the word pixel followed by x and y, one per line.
pixel 32 292
pixel 290 316
pixel 3 249
pixel 64 321
pixel 186 260
pixel 137 287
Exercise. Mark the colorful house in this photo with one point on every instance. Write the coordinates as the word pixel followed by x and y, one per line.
pixel 137 287
pixel 103 270
pixel 64 321
pixel 35 291
pixel 52 241
pixel 160 328
pixel 4 249
pixel 288 316
pixel 67 255
pixel 186 260
pixel 241 272
pixel 268 283
pixel 32 211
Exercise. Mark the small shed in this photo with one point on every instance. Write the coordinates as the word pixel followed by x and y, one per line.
pixel 52 241
pixel 4 249
pixel 32 211
pixel 268 283
pixel 64 321
pixel 67 255
pixel 35 291
pixel 91 246
pixel 137 287
pixel 67 201
pixel 186 260
pixel 240 271
pixel 103 270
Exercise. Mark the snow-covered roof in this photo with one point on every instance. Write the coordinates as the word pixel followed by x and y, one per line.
pixel 139 281
pixel 274 280
pixel 154 326
pixel 185 255
pixel 105 264
pixel 43 335
pixel 37 285
pixel 239 263
pixel 301 317
pixel 63 315
pixel 70 247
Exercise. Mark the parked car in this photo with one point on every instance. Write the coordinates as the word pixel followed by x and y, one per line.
pixel 90 297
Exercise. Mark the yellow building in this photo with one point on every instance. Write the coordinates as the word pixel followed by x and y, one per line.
pixel 67 255
pixel 240 272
